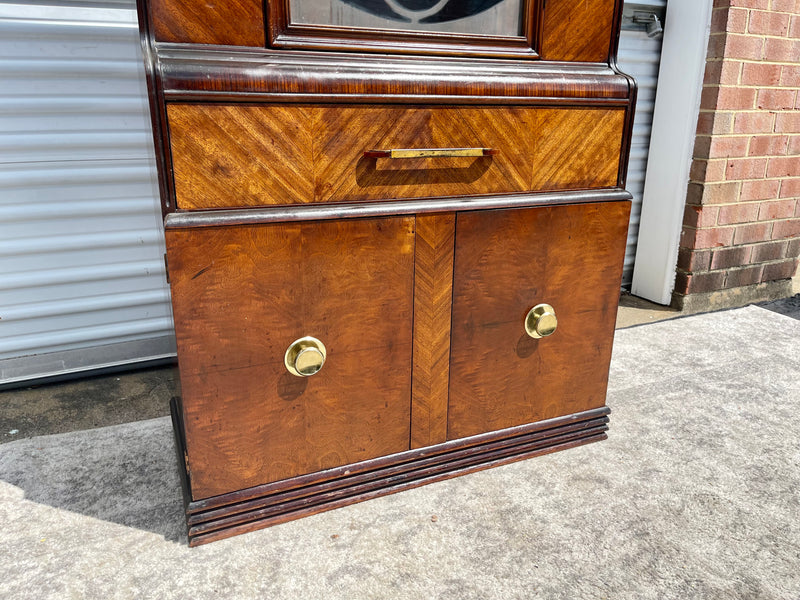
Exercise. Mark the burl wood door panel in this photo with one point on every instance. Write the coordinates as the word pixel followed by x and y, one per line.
pixel 506 262
pixel 241 296
pixel 228 156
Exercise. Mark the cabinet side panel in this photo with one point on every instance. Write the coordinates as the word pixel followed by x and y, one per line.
pixel 506 262
pixel 241 296
pixel 433 296
pixel 577 30
pixel 230 22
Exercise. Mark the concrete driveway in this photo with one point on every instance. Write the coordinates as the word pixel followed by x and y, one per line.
pixel 696 494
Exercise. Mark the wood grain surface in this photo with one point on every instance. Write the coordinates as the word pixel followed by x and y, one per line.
pixel 433 296
pixel 506 262
pixel 225 155
pixel 230 22
pixel 233 155
pixel 253 75
pixel 577 149
pixel 577 30
pixel 241 296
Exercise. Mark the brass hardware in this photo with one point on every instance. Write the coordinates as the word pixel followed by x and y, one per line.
pixel 541 321
pixel 305 356
pixel 429 152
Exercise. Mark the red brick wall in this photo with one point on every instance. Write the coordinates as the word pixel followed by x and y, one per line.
pixel 742 220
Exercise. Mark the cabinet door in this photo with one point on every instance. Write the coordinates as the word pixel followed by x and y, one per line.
pixel 506 262
pixel 241 296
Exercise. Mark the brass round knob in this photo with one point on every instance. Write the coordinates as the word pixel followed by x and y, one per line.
pixel 541 321
pixel 305 356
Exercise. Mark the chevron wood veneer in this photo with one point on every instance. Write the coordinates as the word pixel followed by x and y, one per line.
pixel 577 30
pixel 225 22
pixel 238 155
pixel 433 296
pixel 226 155
pixel 577 149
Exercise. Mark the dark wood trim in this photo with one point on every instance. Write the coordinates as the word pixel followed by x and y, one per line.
pixel 281 33
pixel 176 412
pixel 157 105
pixel 420 467
pixel 195 97
pixel 232 71
pixel 412 472
pixel 319 212
pixel 262 506
pixel 263 523
pixel 633 91
pixel 616 25
pixel 627 136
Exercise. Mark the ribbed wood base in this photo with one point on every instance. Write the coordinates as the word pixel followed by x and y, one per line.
pixel 258 507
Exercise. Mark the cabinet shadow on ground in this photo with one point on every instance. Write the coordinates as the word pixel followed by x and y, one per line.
pixel 124 474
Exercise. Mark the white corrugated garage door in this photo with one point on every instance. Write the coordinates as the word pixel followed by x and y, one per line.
pixel 640 57
pixel 82 280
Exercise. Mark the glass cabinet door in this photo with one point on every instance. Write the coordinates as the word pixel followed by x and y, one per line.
pixel 482 17
pixel 498 28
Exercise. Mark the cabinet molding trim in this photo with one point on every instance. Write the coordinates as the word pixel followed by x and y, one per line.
pixel 262 506
pixel 246 216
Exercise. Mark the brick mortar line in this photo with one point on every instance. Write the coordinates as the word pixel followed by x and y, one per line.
pixel 721 226
pixel 748 202
pixel 751 61
pixel 772 261
pixel 780 178
pixel 737 268
pixel 748 86
pixel 755 36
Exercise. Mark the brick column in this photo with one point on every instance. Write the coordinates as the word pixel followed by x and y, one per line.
pixel 741 233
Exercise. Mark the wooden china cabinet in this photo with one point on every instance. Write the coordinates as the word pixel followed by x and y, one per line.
pixel 395 232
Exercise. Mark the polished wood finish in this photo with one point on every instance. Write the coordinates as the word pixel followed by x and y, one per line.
pixel 578 30
pixel 317 212
pixel 241 295
pixel 249 510
pixel 577 149
pixel 229 155
pixel 252 75
pixel 416 274
pixel 506 262
pixel 433 296
pixel 234 155
pixel 232 22
pixel 345 175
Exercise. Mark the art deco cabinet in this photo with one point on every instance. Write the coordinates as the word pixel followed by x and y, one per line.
pixel 395 232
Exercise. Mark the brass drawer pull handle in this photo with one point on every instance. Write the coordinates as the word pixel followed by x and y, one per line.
pixel 305 356
pixel 541 321
pixel 429 152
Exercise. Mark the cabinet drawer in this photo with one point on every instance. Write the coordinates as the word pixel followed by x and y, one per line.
pixel 227 156
pixel 507 262
pixel 241 296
